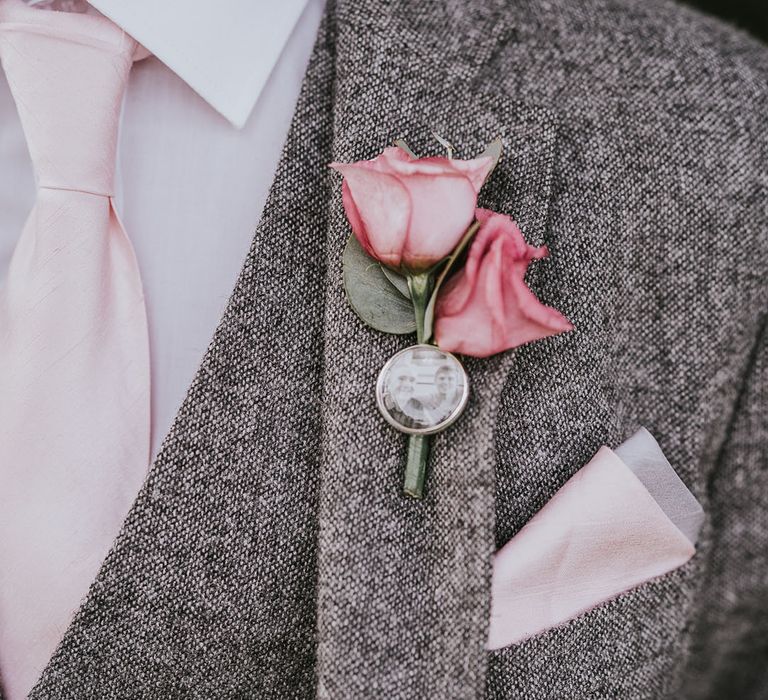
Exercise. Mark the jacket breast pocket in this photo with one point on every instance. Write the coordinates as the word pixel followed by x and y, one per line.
pixel 595 588
pixel 630 647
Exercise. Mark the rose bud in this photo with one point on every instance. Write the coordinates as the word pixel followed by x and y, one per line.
pixel 486 307
pixel 409 213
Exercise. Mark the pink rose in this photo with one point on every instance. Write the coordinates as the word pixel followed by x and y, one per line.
pixel 486 307
pixel 411 212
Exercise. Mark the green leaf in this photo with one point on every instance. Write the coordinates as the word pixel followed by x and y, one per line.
pixel 493 150
pixel 445 144
pixel 399 281
pixel 372 296
pixel 429 314
pixel 400 143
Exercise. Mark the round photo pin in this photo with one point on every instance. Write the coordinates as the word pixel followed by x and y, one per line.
pixel 422 390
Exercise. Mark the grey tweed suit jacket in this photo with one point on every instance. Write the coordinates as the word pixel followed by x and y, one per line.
pixel 270 553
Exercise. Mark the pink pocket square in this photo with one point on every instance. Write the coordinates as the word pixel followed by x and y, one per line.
pixel 622 519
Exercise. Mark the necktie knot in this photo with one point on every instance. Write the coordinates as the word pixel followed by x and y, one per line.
pixel 67 73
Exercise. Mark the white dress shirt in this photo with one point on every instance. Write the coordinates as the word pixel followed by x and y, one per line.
pixel 203 124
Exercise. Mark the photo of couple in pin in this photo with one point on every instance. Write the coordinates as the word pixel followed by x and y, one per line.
pixel 422 390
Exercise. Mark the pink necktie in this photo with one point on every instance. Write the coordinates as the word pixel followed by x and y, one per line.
pixel 74 351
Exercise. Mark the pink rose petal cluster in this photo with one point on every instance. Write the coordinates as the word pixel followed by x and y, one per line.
pixel 486 307
pixel 410 213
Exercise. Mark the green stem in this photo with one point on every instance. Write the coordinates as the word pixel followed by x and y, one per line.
pixel 420 286
pixel 416 466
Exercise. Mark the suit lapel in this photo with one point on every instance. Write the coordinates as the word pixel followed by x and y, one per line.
pixel 212 586
pixel 403 590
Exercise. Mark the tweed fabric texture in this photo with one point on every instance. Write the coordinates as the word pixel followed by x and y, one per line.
pixel 731 641
pixel 374 545
pixel 658 226
pixel 269 554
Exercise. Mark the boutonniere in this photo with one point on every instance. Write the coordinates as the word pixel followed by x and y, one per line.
pixel 423 258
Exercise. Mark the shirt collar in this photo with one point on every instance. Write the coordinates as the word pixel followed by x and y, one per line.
pixel 224 51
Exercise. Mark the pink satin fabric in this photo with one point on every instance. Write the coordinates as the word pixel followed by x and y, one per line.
pixel 601 534
pixel 74 351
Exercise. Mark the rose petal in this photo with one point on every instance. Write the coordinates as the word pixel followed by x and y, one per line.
pixel 442 210
pixel 408 211
pixel 487 307
pixel 382 211
pixel 390 157
pixel 476 170
pixel 437 166
pixel 482 215
pixel 457 290
pixel 358 227
pixel 534 320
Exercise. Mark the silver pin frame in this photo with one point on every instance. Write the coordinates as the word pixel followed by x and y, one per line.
pixel 422 390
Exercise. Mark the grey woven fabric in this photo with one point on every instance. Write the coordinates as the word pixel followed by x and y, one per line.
pixel 270 555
